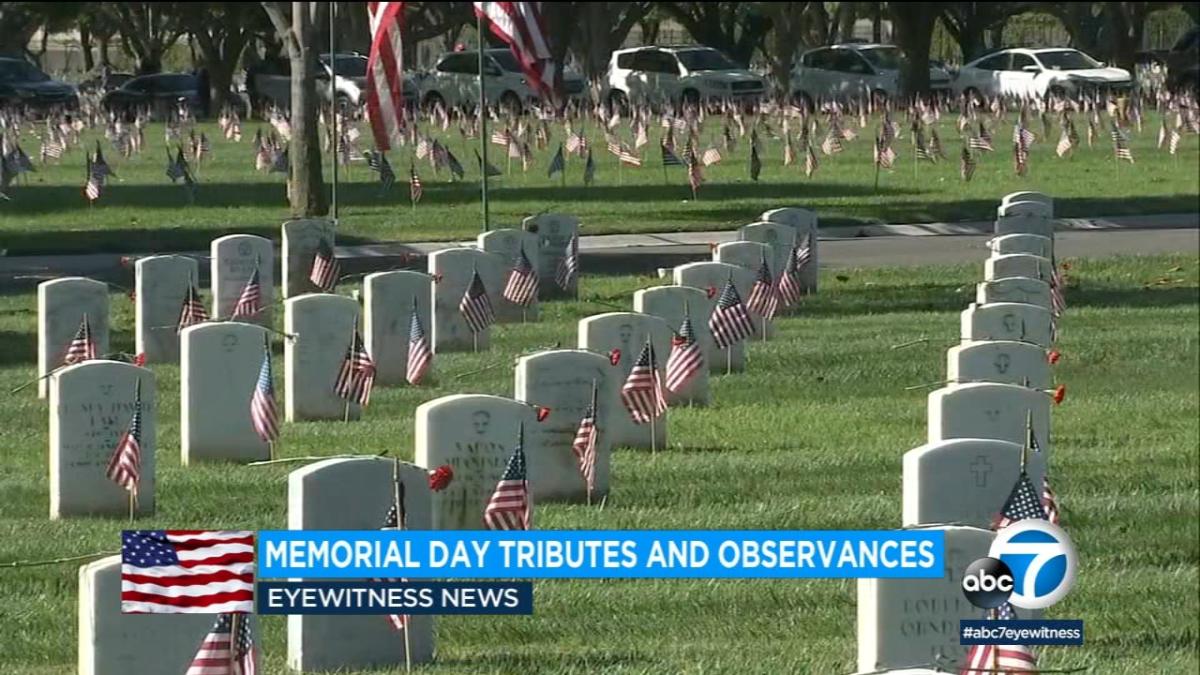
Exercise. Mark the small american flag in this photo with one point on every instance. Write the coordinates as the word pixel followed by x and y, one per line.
pixel 475 306
pixel 357 374
pixel 1023 502
pixel 187 571
pixel 263 413
pixel 279 160
pixel 589 169
pixel 711 156
pixel 1058 300
pixel 755 163
pixel 93 185
pixel 568 267
pixel 1000 659
pixel 643 393
pixel 764 296
pixel 325 268
pixel 124 467
pixel 228 649
pixel 1173 141
pixel 501 137
pixel 415 190
pixel 82 347
pixel 730 322
pixel 420 356
pixel 511 504
pixel 884 156
pixel 789 152
pixel 686 358
pixel 397 519
pixel 584 445
pixel 832 144
pixel 628 158
pixel 522 286
pixel 378 162
pixel 790 290
pixel 810 161
pixel 192 311
pixel 695 169
pixel 1121 144
pixel 921 149
pixel 177 166
pixel 981 141
pixel 1021 140
pixel 249 303
pixel 1050 502
pixel 966 168
pixel 669 158
pixel 557 164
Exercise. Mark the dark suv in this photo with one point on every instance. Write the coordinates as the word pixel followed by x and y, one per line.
pixel 23 84
pixel 1183 62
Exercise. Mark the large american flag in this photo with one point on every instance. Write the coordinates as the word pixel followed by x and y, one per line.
pixel 263 413
pixel 385 72
pixel 568 267
pixel 643 393
pixel 125 465
pixel 82 347
pixel 584 445
pixel 228 649
pixel 475 306
pixel 764 296
pixel 187 571
pixel 520 26
pixel 325 268
pixel 511 504
pixel 1023 503
pixel 357 374
pixel 420 356
pixel 686 359
pixel 1000 659
pixel 249 303
pixel 522 286
pixel 192 310
pixel 730 322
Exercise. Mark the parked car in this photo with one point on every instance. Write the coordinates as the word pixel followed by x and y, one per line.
pixel 674 74
pixel 102 84
pixel 350 65
pixel 1183 62
pixel 160 91
pixel 454 81
pixel 24 84
pixel 271 83
pixel 1037 73
pixel 849 70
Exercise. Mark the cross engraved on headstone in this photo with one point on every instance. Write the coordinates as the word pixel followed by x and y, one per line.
pixel 1002 362
pixel 106 389
pixel 992 415
pixel 981 468
pixel 1009 322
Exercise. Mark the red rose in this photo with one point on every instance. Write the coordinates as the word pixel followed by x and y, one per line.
pixel 614 357
pixel 440 477
pixel 140 359
pixel 1053 356
pixel 1060 392
pixel 711 291
pixel 542 413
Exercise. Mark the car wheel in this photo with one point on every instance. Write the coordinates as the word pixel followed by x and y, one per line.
pixel 617 100
pixel 433 100
pixel 690 97
pixel 803 101
pixel 972 94
pixel 511 103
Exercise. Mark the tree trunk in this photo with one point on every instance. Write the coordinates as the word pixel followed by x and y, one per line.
pixel 85 43
pixel 912 28
pixel 877 22
pixel 846 18
pixel 306 182
pixel 104 59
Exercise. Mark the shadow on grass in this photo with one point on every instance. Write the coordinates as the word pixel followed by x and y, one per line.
pixel 545 660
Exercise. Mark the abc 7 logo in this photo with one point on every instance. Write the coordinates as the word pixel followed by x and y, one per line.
pixel 1031 565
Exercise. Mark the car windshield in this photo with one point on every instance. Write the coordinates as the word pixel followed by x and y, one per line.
pixel 705 59
pixel 20 71
pixel 1067 59
pixel 506 60
pixel 351 66
pixel 884 58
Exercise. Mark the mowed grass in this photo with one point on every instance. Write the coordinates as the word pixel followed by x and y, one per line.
pixel 811 436
pixel 142 211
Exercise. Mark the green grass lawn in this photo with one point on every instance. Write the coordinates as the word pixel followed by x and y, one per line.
pixel 811 437
pixel 142 211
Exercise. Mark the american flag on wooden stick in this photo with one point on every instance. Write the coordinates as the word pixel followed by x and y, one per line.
pixel 82 347
pixel 522 286
pixel 325 269
pixel 568 266
pixel 1023 503
pixel 385 73
pixel 397 519
pixel 1050 502
pixel 686 358
pixel 764 296
pixel 264 415
pixel 475 306
pixel 643 393
pixel 966 165
pixel 1121 143
pixel 511 504
pixel 124 467
pixel 1000 659
pixel 420 356
pixel 228 649
pixel 249 303
pixel 357 374
pixel 584 445
pixel 730 321
pixel 192 310
pixel 187 571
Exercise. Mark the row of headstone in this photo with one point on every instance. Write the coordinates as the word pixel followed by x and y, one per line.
pixel 959 480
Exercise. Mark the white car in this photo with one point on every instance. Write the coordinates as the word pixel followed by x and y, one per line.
pixel 678 74
pixel 273 84
pixel 454 81
pixel 1038 73
pixel 852 70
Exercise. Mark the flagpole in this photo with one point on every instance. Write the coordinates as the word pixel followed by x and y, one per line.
pixel 267 356
pixel 351 357
pixel 333 200
pixel 595 436
pixel 133 492
pixel 398 505
pixel 654 384
pixel 483 185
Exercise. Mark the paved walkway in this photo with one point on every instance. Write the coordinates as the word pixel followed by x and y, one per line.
pixel 854 246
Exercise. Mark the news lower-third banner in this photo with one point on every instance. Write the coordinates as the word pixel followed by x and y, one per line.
pixel 608 554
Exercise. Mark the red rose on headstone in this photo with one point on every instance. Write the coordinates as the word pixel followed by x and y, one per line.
pixel 1053 356
pixel 542 413
pixel 440 477
pixel 614 357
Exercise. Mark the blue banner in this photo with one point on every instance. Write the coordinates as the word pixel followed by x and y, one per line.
pixel 1021 632
pixel 600 554
pixel 394 597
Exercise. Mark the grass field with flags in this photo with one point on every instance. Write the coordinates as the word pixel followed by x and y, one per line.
pixel 141 210
pixel 810 437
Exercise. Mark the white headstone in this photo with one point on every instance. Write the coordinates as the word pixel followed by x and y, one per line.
pixel 355 494
pixel 963 481
pixel 475 434
pixel 218 374
pixel 324 326
pixel 91 405
pixel 1026 202
pixel 1013 289
pixel 301 240
pixel 628 332
pixel 904 623
pixel 62 304
pixel 234 258
pixel 508 243
pixel 780 238
pixel 112 643
pixel 806 225
pixel 451 269
pixel 1031 244
pixel 554 232
pixel 561 379
pixel 160 286
pixel 1025 221
pixel 986 410
pixel 1002 361
pixel 387 320
pixel 1020 265
pixel 667 303
pixel 710 277
pixel 1007 321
